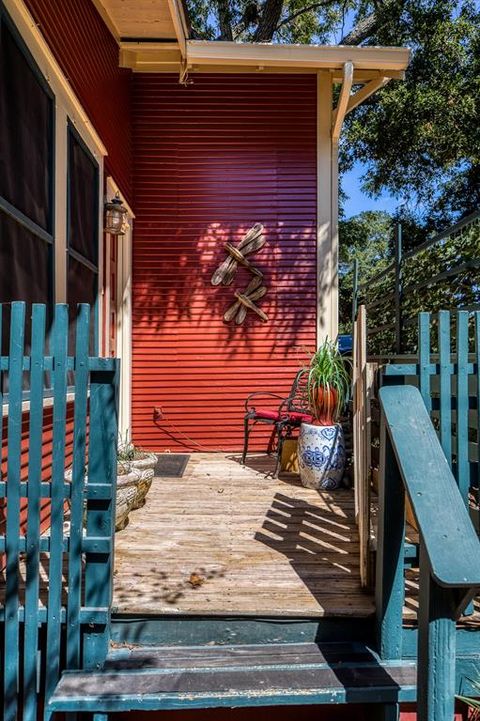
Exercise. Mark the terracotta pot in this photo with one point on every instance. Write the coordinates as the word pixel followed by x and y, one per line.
pixel 325 405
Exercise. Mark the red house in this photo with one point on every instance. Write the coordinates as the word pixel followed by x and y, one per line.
pixel 200 141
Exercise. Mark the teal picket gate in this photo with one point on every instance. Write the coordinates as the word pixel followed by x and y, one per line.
pixel 57 585
pixel 446 373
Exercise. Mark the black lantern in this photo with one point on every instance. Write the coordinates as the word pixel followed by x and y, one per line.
pixel 115 216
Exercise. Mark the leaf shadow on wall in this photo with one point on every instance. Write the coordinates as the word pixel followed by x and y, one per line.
pixel 176 293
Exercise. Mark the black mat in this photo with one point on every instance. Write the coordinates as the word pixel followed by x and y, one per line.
pixel 171 465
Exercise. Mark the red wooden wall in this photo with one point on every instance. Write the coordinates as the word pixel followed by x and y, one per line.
pixel 88 55
pixel 210 160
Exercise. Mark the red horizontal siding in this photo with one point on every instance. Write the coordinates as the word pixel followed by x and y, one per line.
pixel 210 160
pixel 88 56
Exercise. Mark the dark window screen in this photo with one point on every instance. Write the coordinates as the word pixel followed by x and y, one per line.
pixel 83 201
pixel 25 263
pixel 26 134
pixel 82 276
pixel 82 288
pixel 26 184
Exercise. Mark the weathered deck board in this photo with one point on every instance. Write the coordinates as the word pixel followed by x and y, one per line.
pixel 255 545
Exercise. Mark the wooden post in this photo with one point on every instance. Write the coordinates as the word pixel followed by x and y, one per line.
pixel 390 591
pixel 436 647
pixel 398 288
pixel 362 388
pixel 102 468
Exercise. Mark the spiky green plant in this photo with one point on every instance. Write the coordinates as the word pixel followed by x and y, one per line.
pixel 473 703
pixel 328 370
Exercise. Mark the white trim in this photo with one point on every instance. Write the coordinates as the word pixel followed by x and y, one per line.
pixel 60 230
pixel 314 56
pixel 47 403
pixel 340 110
pixel 179 23
pixel 101 259
pixel 327 291
pixel 124 314
pixel 365 92
pixel 52 72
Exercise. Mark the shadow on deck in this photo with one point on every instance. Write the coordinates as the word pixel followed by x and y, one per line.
pixel 229 539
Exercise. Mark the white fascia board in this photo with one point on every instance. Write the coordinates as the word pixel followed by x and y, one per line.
pixel 329 57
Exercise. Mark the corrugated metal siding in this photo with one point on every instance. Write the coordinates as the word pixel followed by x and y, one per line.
pixel 88 55
pixel 210 160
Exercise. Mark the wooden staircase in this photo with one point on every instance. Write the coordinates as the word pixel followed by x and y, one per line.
pixel 162 678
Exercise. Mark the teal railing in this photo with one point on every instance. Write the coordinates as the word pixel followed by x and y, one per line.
pixel 63 621
pixel 446 371
pixel 413 463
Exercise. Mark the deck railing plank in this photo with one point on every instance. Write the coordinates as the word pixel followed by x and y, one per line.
pixel 53 648
pixel 15 389
pixel 77 491
pixel 33 516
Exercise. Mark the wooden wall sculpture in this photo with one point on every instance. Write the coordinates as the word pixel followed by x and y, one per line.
pixel 252 242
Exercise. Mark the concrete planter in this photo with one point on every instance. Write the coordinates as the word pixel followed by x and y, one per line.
pixel 143 468
pixel 321 456
pixel 134 479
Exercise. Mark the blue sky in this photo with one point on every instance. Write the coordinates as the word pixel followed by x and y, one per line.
pixel 357 200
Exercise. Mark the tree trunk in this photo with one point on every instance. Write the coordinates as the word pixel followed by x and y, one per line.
pixel 269 20
pixel 224 19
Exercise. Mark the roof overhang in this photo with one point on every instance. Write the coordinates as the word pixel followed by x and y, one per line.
pixel 153 37
pixel 218 56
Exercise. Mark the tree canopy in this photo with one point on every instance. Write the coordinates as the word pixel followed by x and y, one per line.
pixel 418 138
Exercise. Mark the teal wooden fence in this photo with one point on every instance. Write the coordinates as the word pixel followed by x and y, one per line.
pixel 56 586
pixel 448 379
pixel 440 273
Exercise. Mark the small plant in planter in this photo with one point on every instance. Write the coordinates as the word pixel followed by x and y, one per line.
pixel 321 445
pixel 134 478
pixel 135 460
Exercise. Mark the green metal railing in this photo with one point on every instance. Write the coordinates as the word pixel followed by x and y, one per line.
pixel 441 273
pixel 413 463
pixel 66 623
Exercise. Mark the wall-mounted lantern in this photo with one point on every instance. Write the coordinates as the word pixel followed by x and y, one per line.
pixel 115 216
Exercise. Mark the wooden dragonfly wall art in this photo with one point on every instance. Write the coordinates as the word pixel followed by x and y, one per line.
pixel 251 243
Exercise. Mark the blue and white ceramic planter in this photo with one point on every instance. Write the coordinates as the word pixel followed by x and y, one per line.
pixel 321 456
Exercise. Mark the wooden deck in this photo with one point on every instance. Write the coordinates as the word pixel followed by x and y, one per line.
pixel 228 539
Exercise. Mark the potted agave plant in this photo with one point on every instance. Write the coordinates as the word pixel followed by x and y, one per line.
pixel 321 444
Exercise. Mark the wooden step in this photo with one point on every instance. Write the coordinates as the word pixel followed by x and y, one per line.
pixel 161 678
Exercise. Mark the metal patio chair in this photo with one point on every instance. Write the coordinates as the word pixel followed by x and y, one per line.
pixel 290 414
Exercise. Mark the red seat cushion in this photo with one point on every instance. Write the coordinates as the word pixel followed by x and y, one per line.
pixel 267 414
pixel 299 417
pixel 296 417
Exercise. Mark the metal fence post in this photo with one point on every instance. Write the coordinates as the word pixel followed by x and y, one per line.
pixel 355 293
pixel 398 288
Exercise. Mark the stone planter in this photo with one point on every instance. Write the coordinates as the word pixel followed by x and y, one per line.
pixel 321 456
pixel 143 468
pixel 126 494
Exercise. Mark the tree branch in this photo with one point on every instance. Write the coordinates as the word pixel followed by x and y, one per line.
pixel 306 9
pixel 362 30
